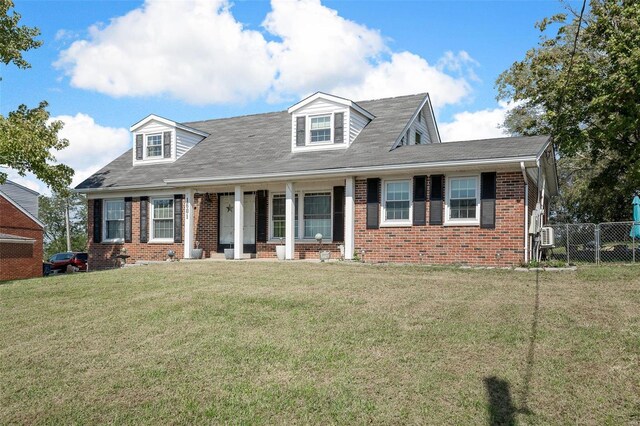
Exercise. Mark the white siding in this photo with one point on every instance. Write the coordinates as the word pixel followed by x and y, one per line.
pixel 420 124
pixel 185 141
pixel 354 121
pixel 154 126
pixel 356 124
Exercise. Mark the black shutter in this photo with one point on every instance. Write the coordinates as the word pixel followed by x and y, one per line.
pixel 127 219
pixel 419 200
pixel 139 147
pixel 373 203
pixel 144 221
pixel 338 127
pixel 301 130
pixel 261 212
pixel 338 213
pixel 167 144
pixel 177 218
pixel 435 200
pixel 97 221
pixel 488 200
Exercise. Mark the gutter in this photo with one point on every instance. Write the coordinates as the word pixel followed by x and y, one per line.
pixel 526 212
pixel 17 241
pixel 120 188
pixel 340 172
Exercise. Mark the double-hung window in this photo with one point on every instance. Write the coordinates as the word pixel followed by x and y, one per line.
pixel 313 215
pixel 278 214
pixel 320 129
pixel 162 219
pixel 154 146
pixel 114 220
pixel 317 215
pixel 463 203
pixel 397 202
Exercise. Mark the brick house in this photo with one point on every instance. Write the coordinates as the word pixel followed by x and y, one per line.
pixel 372 177
pixel 21 233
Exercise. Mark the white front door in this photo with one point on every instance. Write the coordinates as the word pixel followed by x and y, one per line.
pixel 226 206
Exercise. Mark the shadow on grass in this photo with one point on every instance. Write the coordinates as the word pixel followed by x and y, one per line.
pixel 502 411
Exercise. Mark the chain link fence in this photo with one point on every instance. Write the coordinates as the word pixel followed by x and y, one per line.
pixel 595 243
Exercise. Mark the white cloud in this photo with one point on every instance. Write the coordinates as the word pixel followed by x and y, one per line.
pixel 318 47
pixel 407 73
pixel 91 145
pixel 483 124
pixel 196 51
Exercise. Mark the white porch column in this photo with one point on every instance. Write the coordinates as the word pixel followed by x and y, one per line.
pixel 290 211
pixel 238 223
pixel 349 217
pixel 188 223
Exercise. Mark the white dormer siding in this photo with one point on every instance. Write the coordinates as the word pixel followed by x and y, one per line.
pixel 157 140
pixel 185 141
pixel 357 122
pixel 422 123
pixel 328 122
pixel 419 125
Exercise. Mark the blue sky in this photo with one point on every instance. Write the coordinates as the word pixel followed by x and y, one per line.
pixel 106 64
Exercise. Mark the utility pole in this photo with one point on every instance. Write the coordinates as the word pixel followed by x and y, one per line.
pixel 66 222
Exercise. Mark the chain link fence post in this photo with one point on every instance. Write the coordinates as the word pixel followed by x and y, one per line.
pixel 596 236
pixel 567 237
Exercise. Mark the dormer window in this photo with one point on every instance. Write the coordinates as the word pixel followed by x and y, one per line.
pixel 324 122
pixel 320 129
pixel 154 146
pixel 158 140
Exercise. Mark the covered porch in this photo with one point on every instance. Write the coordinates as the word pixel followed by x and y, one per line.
pixel 253 218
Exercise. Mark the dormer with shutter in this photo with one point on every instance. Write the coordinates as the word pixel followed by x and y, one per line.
pixel 159 140
pixel 326 122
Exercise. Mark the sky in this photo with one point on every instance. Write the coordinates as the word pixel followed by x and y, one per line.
pixel 106 64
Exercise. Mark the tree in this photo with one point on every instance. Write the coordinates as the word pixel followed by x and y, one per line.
pixel 26 136
pixel 582 87
pixel 52 213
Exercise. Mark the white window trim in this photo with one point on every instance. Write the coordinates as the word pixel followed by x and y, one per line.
pixel 308 130
pixel 384 222
pixel 145 152
pixel 104 222
pixel 152 239
pixel 447 196
pixel 300 194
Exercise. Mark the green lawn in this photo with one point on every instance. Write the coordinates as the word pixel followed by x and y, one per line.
pixel 252 342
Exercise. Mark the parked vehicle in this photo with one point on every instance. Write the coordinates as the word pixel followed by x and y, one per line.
pixel 61 262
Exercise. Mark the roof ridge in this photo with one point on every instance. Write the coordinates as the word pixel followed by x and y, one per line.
pixel 502 137
pixel 281 111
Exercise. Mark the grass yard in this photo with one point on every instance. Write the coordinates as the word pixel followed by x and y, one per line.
pixel 252 342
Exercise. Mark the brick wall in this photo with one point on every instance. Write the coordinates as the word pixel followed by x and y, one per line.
pixel 429 244
pixel 206 222
pixel 19 261
pixel 439 244
pixel 102 255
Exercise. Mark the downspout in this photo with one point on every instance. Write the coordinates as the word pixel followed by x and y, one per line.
pixel 526 212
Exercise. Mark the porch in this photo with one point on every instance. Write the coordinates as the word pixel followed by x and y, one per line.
pixel 252 219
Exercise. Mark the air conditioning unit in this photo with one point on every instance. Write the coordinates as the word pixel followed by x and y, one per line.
pixel 547 239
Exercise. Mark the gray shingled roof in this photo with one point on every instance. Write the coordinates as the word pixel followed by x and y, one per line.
pixel 261 144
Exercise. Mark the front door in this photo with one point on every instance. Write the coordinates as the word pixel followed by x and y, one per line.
pixel 226 219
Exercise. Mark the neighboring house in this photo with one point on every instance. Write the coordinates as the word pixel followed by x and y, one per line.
pixel 21 233
pixel 370 176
